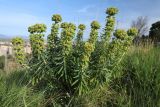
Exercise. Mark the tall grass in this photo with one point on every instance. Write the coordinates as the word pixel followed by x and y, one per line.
pixel 141 76
pixel 14 91
pixel 136 83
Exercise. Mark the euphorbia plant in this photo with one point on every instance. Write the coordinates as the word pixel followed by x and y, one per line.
pixel 79 40
pixel 37 39
pixel 68 32
pixel 119 46
pixel 53 37
pixel 109 52
pixel 18 47
pixel 64 51
pixel 81 77
pixel 38 48
pixel 106 36
pixel 75 68
pixel 89 46
pixel 80 33
pixel 66 37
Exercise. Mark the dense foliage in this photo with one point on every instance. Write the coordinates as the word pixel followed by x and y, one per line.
pixel 2 62
pixel 154 33
pixel 18 47
pixel 141 77
pixel 37 40
pixel 72 69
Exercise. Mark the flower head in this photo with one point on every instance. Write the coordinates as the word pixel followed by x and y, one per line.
pixel 88 47
pixel 37 28
pixel 64 25
pixel 132 32
pixel 57 18
pixel 95 25
pixel 120 34
pixel 82 27
pixel 112 11
pixel 72 26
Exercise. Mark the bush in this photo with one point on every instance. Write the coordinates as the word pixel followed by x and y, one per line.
pixel 2 62
pixel 18 47
pixel 74 70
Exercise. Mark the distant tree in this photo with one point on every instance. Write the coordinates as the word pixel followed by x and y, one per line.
pixel 141 23
pixel 154 32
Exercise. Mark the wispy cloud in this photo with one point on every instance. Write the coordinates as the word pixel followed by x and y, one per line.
pixel 18 19
pixel 86 9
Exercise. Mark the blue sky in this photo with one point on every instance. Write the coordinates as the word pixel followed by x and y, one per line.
pixel 17 15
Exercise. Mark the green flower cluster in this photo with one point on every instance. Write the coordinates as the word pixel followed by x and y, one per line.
pixel 79 39
pixel 89 46
pixel 120 45
pixel 106 37
pixel 18 47
pixel 53 37
pixel 95 25
pixel 111 51
pixel 120 34
pixel 37 28
pixel 81 28
pixel 112 11
pixel 36 39
pixel 109 28
pixel 74 68
pixel 94 32
pixel 132 32
pixel 57 18
pixel 67 35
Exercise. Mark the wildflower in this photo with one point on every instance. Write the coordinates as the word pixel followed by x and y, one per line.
pixel 112 11
pixel 95 25
pixel 88 47
pixel 57 18
pixel 120 34
pixel 132 32
pixel 82 27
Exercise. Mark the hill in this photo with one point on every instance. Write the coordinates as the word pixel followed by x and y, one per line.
pixel 8 38
pixel 4 37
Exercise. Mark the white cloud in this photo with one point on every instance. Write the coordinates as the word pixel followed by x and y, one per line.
pixel 85 9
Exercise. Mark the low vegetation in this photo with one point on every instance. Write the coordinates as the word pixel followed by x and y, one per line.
pixel 2 62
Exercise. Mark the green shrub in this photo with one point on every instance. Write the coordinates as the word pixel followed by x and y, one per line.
pixel 2 62
pixel 18 47
pixel 75 70
pixel 53 38
pixel 37 40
